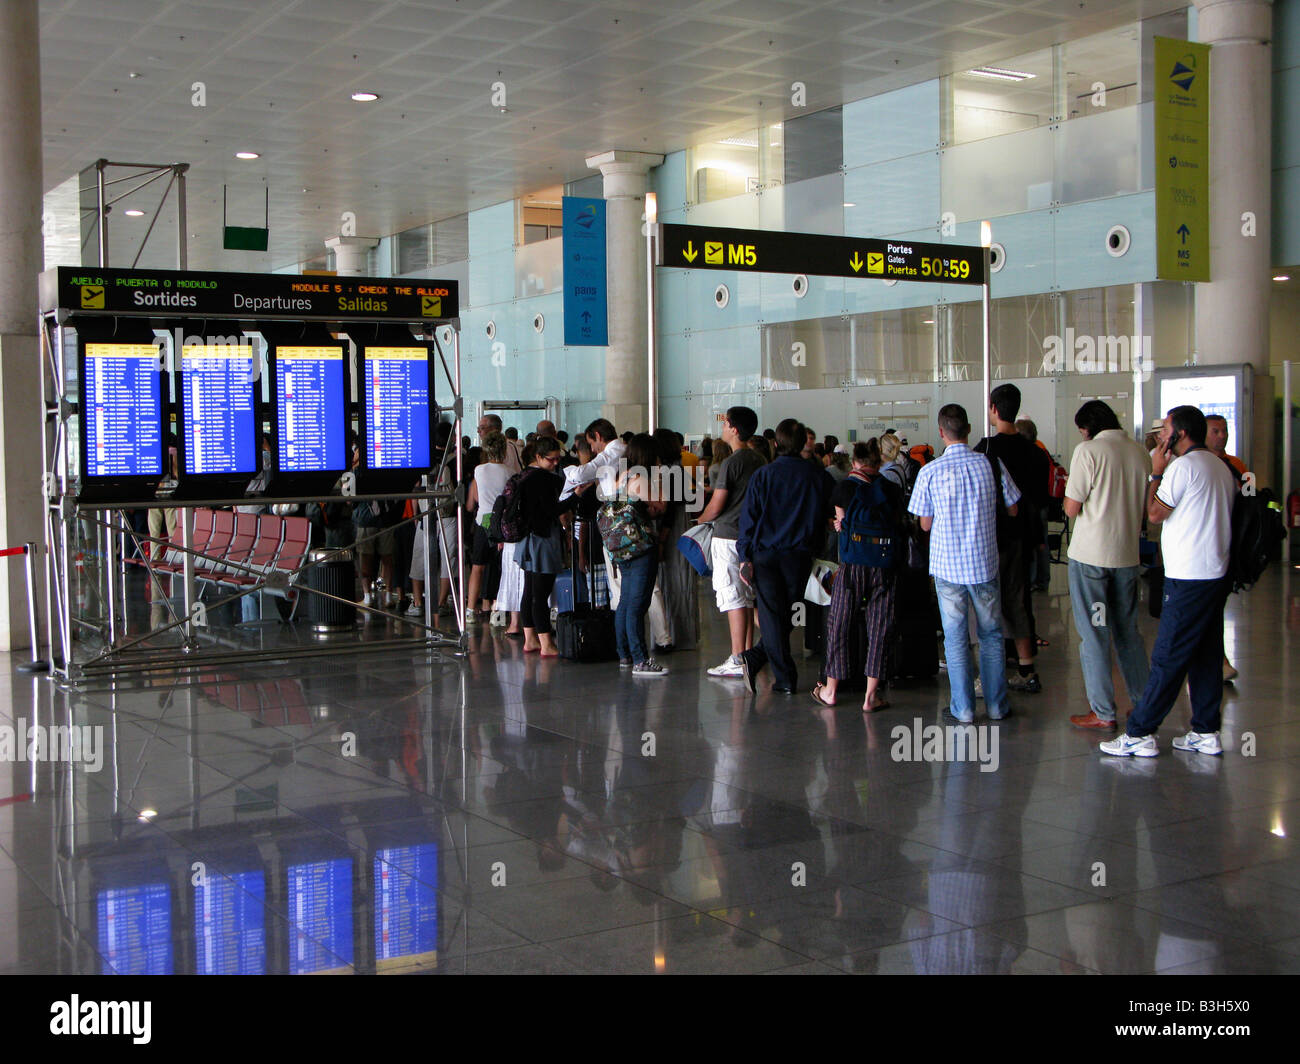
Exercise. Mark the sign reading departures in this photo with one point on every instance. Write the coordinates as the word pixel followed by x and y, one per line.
pixel 702 247
pixel 168 293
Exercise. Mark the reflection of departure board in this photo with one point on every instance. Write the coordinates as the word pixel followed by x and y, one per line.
pixel 406 908
pixel 230 924
pixel 135 929
pixel 123 412
pixel 219 420
pixel 397 407
pixel 320 910
pixel 310 415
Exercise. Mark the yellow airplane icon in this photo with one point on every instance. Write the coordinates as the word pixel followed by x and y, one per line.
pixel 92 297
pixel 713 252
pixel 875 262
pixel 431 306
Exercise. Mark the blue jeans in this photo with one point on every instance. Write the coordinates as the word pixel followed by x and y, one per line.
pixel 1189 643
pixel 637 585
pixel 1105 603
pixel 954 602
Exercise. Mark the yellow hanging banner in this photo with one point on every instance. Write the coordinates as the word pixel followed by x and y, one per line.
pixel 1182 159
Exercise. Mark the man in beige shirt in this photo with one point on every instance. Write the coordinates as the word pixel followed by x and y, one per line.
pixel 1106 495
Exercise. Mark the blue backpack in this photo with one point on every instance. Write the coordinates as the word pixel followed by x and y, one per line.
pixel 869 534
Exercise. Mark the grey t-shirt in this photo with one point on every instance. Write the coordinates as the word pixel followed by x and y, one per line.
pixel 733 478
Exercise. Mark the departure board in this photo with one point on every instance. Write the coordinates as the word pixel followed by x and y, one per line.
pixel 135 929
pixel 397 407
pixel 406 908
pixel 320 910
pixel 230 924
pixel 310 413
pixel 123 410
pixel 220 425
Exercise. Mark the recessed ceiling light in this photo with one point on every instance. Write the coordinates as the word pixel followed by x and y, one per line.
pixel 850 204
pixel 133 213
pixel 1282 277
pixel 247 155
pixel 135 74
pixel 365 97
pixel 1000 74
pixel 147 815
pixel 928 321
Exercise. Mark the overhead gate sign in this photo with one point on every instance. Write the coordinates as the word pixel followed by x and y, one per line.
pixel 702 247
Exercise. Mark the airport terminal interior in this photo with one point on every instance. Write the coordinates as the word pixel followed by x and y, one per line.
pixel 276 277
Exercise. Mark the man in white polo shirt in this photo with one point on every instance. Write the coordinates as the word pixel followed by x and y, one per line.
pixel 1191 494
pixel 1106 495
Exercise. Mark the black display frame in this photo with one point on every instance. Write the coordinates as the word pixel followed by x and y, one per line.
pixel 118 487
pixel 193 486
pixel 322 482
pixel 404 478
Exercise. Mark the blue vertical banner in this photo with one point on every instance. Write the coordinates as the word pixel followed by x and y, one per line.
pixel 586 296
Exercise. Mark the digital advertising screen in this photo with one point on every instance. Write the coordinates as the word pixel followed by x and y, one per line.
pixel 220 417
pixel 320 917
pixel 121 410
pixel 230 924
pixel 396 400
pixel 311 412
pixel 1211 394
pixel 406 908
pixel 135 929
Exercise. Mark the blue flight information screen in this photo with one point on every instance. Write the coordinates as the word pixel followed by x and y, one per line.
pixel 397 407
pixel 406 908
pixel 123 411
pixel 230 924
pixel 310 412
pixel 320 912
pixel 220 429
pixel 135 929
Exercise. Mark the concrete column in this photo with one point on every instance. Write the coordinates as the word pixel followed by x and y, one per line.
pixel 1232 310
pixel 626 373
pixel 22 257
pixel 352 254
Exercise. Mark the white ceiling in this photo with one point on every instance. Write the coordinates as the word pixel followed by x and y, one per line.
pixel 652 75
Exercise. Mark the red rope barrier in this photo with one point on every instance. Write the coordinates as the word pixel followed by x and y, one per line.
pixel 13 550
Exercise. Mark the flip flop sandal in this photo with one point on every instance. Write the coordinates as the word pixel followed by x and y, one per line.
pixel 816 694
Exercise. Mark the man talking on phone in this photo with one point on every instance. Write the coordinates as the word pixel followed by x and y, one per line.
pixel 1190 493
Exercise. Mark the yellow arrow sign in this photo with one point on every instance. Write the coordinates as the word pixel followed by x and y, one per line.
pixel 856 262
pixel 689 253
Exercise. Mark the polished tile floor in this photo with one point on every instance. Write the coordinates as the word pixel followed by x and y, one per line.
pixel 402 811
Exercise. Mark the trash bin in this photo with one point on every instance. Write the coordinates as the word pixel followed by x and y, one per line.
pixel 335 575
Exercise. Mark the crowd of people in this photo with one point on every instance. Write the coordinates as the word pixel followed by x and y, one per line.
pixel 917 545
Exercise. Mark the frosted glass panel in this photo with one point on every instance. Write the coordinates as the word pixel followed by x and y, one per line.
pixel 539 268
pixel 1002 175
pixel 492 228
pixel 812 206
pixel 894 124
pixel 492 278
pixel 1099 156
pixel 893 197
pixel 738 212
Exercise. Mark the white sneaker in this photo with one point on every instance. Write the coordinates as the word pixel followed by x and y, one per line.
pixel 415 609
pixel 471 618
pixel 1124 745
pixel 979 687
pixel 649 667
pixel 731 668
pixel 1199 743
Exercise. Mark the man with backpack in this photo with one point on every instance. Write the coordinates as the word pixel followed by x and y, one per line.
pixel 1017 534
pixel 1191 495
pixel 957 499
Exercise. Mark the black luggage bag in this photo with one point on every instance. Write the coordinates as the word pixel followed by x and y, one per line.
pixel 585 633
pixel 916 623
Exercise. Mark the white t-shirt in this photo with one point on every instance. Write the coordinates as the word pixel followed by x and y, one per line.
pixel 491 479
pixel 1196 537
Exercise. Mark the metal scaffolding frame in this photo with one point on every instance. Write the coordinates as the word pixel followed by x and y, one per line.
pixel 112 537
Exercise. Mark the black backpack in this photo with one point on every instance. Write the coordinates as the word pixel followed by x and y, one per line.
pixel 1257 530
pixel 507 525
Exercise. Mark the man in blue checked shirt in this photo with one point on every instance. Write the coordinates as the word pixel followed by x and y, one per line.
pixel 956 498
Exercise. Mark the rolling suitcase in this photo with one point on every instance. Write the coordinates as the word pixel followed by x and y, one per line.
pixel 916 625
pixel 585 633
